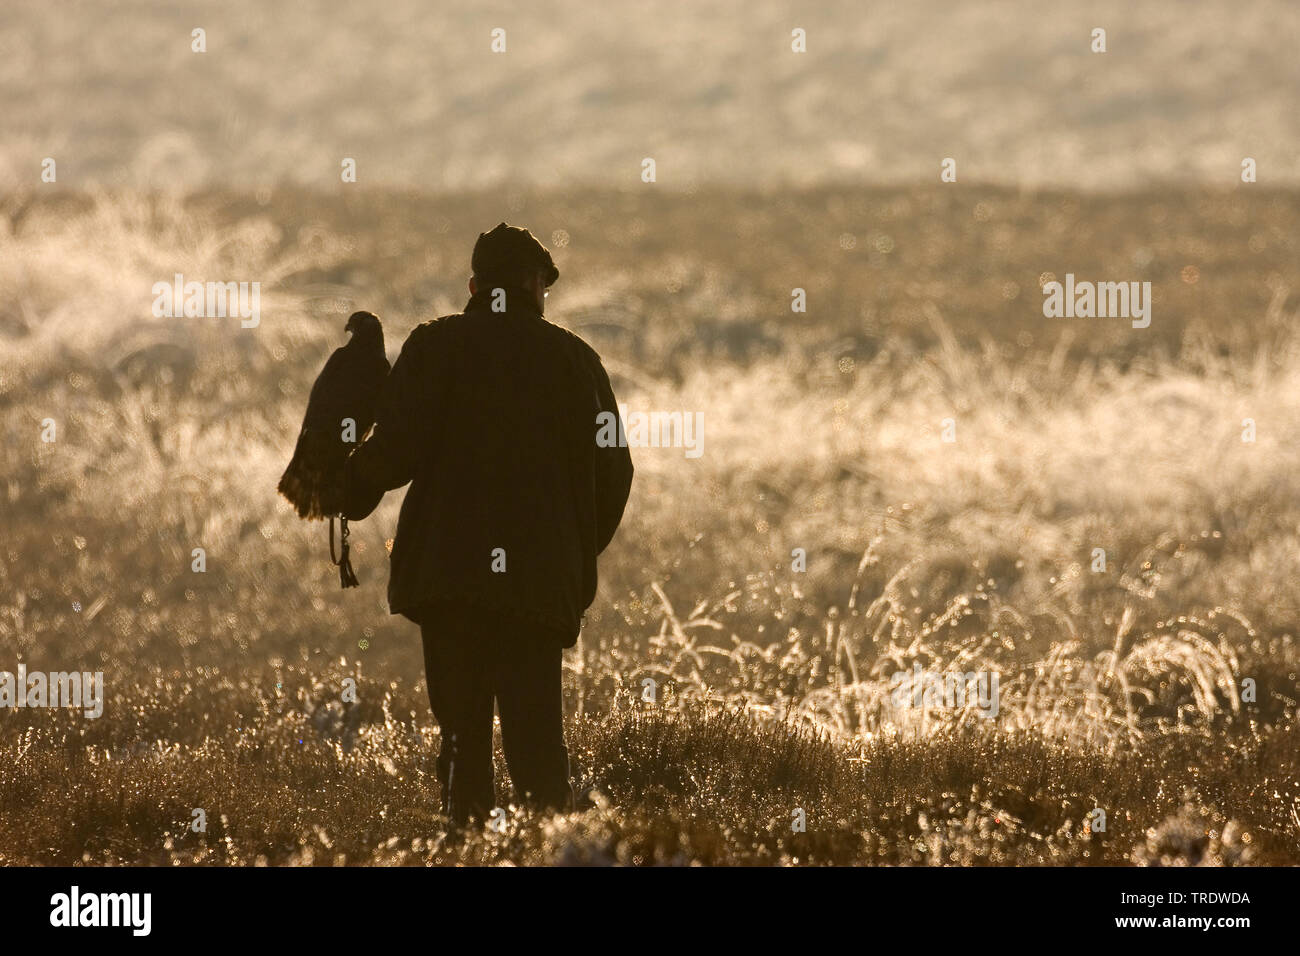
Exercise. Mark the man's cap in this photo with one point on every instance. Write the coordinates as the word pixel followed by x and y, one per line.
pixel 506 250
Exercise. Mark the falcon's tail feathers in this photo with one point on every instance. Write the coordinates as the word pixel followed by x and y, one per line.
pixel 301 485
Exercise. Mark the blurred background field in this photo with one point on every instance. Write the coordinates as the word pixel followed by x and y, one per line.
pixel 1120 690
pixel 710 88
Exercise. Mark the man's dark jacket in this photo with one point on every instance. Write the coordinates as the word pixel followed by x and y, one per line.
pixel 492 418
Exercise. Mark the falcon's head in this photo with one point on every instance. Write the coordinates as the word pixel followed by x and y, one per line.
pixel 363 324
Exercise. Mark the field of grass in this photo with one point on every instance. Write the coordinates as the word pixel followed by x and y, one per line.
pixel 1120 690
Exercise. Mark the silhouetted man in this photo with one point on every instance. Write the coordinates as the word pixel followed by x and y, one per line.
pixel 491 415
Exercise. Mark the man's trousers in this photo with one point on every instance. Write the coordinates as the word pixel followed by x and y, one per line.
pixel 473 656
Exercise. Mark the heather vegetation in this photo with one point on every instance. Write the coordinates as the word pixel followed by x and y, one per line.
pixel 1123 689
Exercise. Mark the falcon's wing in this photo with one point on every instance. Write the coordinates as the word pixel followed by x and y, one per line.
pixel 338 393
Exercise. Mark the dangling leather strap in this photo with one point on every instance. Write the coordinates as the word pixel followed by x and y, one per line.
pixel 347 578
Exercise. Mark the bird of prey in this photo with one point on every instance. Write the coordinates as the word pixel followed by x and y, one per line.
pixel 340 411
